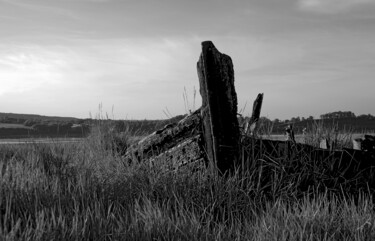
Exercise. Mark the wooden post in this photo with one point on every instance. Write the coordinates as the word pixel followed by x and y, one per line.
pixel 250 126
pixel 357 144
pixel 290 133
pixel 219 108
pixel 324 144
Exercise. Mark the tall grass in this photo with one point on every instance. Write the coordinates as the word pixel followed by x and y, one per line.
pixel 319 130
pixel 87 191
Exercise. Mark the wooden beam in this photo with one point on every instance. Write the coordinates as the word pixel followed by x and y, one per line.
pixel 251 125
pixel 219 107
pixel 178 143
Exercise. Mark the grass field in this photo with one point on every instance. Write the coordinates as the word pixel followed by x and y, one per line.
pixel 86 191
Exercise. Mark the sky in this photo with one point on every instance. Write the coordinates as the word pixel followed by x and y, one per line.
pixel 135 59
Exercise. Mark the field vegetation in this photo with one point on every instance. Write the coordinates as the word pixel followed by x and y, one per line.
pixel 344 121
pixel 87 191
pixel 16 126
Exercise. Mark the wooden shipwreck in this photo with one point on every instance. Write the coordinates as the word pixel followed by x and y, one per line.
pixel 210 137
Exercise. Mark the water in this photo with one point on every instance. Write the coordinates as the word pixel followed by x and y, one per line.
pixel 39 141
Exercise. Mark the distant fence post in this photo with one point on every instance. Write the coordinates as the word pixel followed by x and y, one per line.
pixel 219 107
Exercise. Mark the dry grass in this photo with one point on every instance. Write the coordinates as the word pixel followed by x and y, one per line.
pixel 86 191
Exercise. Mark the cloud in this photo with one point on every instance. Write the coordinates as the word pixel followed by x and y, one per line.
pixel 118 72
pixel 28 68
pixel 331 6
pixel 42 7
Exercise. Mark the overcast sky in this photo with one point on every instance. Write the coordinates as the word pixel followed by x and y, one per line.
pixel 65 57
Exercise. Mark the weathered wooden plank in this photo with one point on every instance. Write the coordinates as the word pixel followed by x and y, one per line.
pixel 164 139
pixel 251 125
pixel 219 107
pixel 189 153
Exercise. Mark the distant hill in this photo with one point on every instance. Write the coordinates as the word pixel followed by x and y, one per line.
pixel 343 121
pixel 7 116
pixel 30 125
pixel 345 124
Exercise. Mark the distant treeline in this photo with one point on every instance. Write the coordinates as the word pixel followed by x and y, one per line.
pixel 45 126
pixel 41 126
pixel 20 118
pixel 340 120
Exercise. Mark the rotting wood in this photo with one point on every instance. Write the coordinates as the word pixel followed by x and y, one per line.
pixel 211 133
pixel 251 125
pixel 165 139
pixel 357 144
pixel 365 144
pixel 368 143
pixel 290 133
pixel 187 153
pixel 219 107
pixel 324 144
